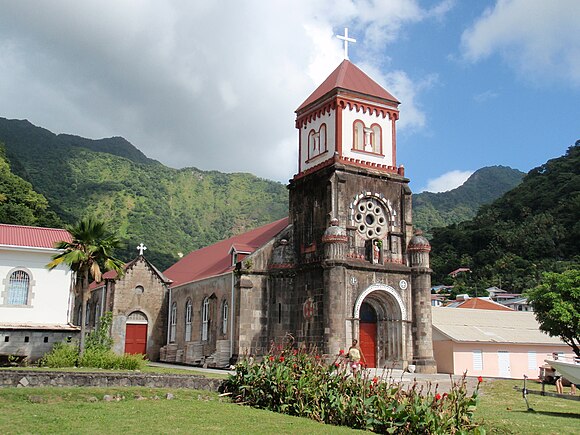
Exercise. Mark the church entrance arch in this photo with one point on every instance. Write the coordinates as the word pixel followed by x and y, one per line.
pixel 381 319
pixel 136 333
pixel 368 333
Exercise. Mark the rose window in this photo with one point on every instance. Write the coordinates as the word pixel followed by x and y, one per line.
pixel 370 218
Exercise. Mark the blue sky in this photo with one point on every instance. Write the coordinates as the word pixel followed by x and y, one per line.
pixel 214 84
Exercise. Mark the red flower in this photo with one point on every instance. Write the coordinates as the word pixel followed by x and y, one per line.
pixel 317 357
pixel 281 359
pixel 336 364
pixel 341 352
pixel 445 395
pixel 479 379
pixel 375 380
pixel 271 358
pixel 437 396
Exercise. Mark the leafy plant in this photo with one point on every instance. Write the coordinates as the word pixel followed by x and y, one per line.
pixel 298 382
pixel 63 354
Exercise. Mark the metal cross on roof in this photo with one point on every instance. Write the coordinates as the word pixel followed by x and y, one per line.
pixel 141 248
pixel 346 40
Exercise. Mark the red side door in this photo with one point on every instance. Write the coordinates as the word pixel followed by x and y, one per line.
pixel 136 339
pixel 368 342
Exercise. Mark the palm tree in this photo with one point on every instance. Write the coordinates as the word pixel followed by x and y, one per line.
pixel 89 253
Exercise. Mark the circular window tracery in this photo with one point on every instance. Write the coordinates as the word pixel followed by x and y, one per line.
pixel 371 218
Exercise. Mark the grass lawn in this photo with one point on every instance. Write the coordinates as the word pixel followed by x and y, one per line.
pixel 83 411
pixel 504 410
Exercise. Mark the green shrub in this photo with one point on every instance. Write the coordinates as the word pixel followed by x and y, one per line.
pixel 62 355
pixel 299 383
pixel 100 338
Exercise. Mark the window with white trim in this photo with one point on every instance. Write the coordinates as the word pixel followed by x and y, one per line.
pixel 205 320
pixel 173 322
pixel 188 312
pixel 532 360
pixel 18 287
pixel 477 359
pixel 225 315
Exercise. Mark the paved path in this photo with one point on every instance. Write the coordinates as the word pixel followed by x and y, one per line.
pixel 441 381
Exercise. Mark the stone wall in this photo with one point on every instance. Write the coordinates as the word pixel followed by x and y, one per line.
pixel 27 378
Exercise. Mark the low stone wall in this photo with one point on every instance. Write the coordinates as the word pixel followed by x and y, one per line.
pixel 28 378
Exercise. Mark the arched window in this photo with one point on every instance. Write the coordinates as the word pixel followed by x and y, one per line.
pixel 97 313
pixel 18 287
pixel 173 323
pixel 205 320
pixel 358 136
pixel 188 320
pixel 225 315
pixel 87 314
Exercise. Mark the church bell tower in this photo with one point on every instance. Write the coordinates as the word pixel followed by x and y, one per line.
pixel 350 209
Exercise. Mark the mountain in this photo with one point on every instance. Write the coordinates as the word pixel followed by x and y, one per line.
pixel 533 228
pixel 432 210
pixel 171 211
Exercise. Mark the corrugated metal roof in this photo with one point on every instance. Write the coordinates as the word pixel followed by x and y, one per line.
pixel 490 326
pixel 215 259
pixel 32 237
pixel 349 77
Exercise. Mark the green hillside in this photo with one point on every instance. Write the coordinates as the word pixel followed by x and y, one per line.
pixel 431 210
pixel 533 228
pixel 171 211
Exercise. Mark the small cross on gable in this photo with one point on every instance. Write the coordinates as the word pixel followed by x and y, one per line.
pixel 141 248
pixel 346 40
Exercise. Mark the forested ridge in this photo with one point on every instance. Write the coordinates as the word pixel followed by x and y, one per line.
pixel 533 228
pixel 171 211
pixel 53 180
pixel 431 210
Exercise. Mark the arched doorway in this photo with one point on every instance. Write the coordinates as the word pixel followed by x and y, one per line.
pixel 368 333
pixel 382 326
pixel 136 333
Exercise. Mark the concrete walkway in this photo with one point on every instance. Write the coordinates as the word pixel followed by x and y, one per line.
pixel 441 381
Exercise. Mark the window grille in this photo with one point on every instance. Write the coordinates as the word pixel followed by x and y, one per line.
pixel 225 317
pixel 18 287
pixel 173 322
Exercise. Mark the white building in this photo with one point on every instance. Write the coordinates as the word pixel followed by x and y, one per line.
pixel 35 303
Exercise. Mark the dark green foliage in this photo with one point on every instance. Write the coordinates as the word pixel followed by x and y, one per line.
pixel 556 303
pixel 531 229
pixel 171 211
pixel 97 353
pixel 19 203
pixel 431 210
pixel 298 383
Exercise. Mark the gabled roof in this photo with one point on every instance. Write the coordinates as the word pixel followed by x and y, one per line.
pixel 32 237
pixel 480 304
pixel 490 326
pixel 112 274
pixel 216 259
pixel 349 77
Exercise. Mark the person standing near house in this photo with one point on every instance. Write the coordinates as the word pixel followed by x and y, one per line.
pixel 355 355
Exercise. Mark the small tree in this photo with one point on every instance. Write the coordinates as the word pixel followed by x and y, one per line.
pixel 90 252
pixel 556 303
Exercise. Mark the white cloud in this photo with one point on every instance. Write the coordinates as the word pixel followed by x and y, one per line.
pixel 538 38
pixel 447 181
pixel 206 84
pixel 485 96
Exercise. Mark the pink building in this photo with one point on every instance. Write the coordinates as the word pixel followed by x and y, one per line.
pixel 491 343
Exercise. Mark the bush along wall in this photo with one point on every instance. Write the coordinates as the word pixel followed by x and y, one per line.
pixel 298 382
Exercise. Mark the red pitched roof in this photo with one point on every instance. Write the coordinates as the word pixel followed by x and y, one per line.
pixel 215 259
pixel 32 237
pixel 349 77
pixel 483 304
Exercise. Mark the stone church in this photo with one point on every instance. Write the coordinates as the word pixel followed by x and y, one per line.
pixel 345 264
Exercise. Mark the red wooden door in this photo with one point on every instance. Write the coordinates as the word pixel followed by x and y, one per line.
pixel 136 339
pixel 368 342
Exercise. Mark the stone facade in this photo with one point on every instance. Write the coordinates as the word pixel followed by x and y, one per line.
pixel 346 266
pixel 139 297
